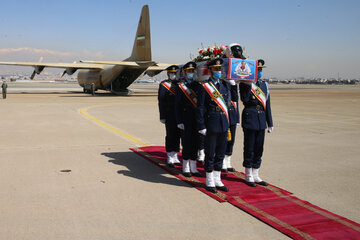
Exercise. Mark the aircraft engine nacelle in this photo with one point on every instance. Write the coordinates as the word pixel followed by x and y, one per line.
pixel 39 69
pixel 70 71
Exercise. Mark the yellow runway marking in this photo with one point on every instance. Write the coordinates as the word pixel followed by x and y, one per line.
pixel 115 130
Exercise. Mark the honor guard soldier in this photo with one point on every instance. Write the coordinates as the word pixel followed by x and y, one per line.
pixel 166 99
pixel 213 122
pixel 234 115
pixel 235 50
pixel 4 89
pixel 234 120
pixel 256 117
pixel 186 103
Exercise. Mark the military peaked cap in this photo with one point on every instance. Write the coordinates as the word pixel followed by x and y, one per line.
pixel 189 65
pixel 215 63
pixel 261 63
pixel 172 68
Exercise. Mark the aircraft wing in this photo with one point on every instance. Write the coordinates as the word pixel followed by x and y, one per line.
pixel 150 64
pixel 156 69
pixel 70 68
pixel 54 65
pixel 123 63
pixel 160 66
pixel 153 68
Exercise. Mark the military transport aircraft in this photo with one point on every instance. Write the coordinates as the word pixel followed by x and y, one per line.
pixel 114 76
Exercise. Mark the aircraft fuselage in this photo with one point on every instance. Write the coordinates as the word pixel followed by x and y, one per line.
pixel 113 78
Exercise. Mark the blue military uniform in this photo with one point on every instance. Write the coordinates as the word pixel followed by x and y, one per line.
pixel 167 112
pixel 186 103
pixel 255 120
pixel 213 119
pixel 185 114
pixel 166 102
pixel 256 117
pixel 214 99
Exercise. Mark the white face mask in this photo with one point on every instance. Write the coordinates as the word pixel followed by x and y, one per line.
pixel 172 76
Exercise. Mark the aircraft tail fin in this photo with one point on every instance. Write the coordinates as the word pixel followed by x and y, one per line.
pixel 142 44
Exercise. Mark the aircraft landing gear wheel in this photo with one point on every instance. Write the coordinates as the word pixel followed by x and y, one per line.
pixel 84 90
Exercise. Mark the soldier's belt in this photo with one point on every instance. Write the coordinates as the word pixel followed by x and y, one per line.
pixel 257 107
pixel 215 109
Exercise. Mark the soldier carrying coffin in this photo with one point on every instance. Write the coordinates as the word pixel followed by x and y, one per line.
pixel 214 98
pixel 166 99
pixel 186 103
pixel 256 117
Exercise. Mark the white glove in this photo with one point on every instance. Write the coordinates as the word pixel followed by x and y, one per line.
pixel 270 129
pixel 203 131
pixel 232 82
pixel 181 126
pixel 163 121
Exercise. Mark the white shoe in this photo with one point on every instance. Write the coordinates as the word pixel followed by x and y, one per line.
pixel 228 164
pixel 249 179
pixel 218 183
pixel 201 155
pixel 210 183
pixel 175 158
pixel 225 164
pixel 186 168
pixel 217 179
pixel 170 161
pixel 257 179
pixel 193 168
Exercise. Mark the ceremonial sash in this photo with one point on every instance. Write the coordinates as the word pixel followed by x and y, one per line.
pixel 169 87
pixel 189 93
pixel 259 94
pixel 216 97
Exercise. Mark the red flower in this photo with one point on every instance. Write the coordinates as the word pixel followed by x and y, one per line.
pixel 200 51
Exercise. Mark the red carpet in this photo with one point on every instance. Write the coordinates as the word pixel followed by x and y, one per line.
pixel 277 207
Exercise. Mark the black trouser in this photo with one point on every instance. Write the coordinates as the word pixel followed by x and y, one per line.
pixel 215 146
pixel 230 144
pixel 172 138
pixel 190 141
pixel 253 147
pixel 201 141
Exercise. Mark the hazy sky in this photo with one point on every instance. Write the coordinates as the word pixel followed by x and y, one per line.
pixel 311 38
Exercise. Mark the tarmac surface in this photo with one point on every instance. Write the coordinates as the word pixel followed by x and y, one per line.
pixel 64 176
